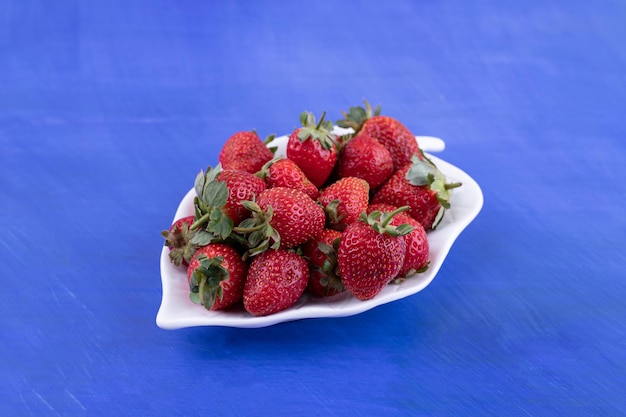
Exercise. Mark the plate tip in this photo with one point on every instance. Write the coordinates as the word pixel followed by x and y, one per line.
pixel 431 143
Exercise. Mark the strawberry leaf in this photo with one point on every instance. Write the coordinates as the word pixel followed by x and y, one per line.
pixel 204 178
pixel 401 230
pixel 251 205
pixel 194 297
pixel 256 238
pixel 438 217
pixel 326 249
pixel 422 172
pixel 198 184
pixel 202 238
pixel 211 196
pixel 357 115
pixel 247 223
pixel 219 224
pixel 269 139
pixel 256 233
pixel 215 193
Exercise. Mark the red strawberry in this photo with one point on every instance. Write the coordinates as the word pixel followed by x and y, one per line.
pixel 282 218
pixel 422 187
pixel 242 186
pixel 321 252
pixel 178 240
pixel 371 254
pixel 218 201
pixel 364 157
pixel 313 148
pixel 417 245
pixel 275 281
pixel 390 132
pixel 246 152
pixel 216 276
pixel 344 201
pixel 284 172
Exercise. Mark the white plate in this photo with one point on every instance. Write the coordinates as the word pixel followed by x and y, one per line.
pixel 178 311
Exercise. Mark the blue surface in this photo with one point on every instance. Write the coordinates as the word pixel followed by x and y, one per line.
pixel 109 109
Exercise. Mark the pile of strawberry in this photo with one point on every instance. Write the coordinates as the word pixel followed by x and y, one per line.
pixel 337 213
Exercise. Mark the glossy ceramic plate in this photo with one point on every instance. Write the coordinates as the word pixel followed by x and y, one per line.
pixel 178 311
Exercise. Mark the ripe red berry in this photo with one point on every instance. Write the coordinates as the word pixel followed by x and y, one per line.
pixel 321 253
pixel 390 132
pixel 364 157
pixel 313 148
pixel 275 281
pixel 422 187
pixel 245 151
pixel 417 254
pixel 371 254
pixel 344 201
pixel 284 172
pixel 216 276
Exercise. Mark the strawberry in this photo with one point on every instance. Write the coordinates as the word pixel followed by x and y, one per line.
pixel 216 276
pixel 417 245
pixel 390 132
pixel 422 187
pixel 242 186
pixel 321 253
pixel 275 281
pixel 312 147
pixel 282 218
pixel 283 172
pixel 364 157
pixel 178 239
pixel 344 201
pixel 218 207
pixel 246 152
pixel 371 253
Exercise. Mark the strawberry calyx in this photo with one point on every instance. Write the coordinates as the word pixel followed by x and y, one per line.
pixel 335 216
pixel 381 222
pixel 356 116
pixel 256 233
pixel 205 281
pixel 319 131
pixel 264 172
pixel 268 140
pixel 212 224
pixel 423 172
pixel 330 267
pixel 410 272
pixel 179 240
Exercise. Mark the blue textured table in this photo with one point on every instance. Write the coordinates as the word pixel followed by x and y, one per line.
pixel 108 110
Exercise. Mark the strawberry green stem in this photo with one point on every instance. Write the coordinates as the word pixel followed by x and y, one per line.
pixel 391 215
pixel 201 290
pixel 250 229
pixel 238 239
pixel 452 185
pixel 200 221
pixel 319 124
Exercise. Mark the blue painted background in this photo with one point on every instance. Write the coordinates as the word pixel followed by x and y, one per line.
pixel 109 109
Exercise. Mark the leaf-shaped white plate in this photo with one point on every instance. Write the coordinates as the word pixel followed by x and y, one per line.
pixel 178 311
